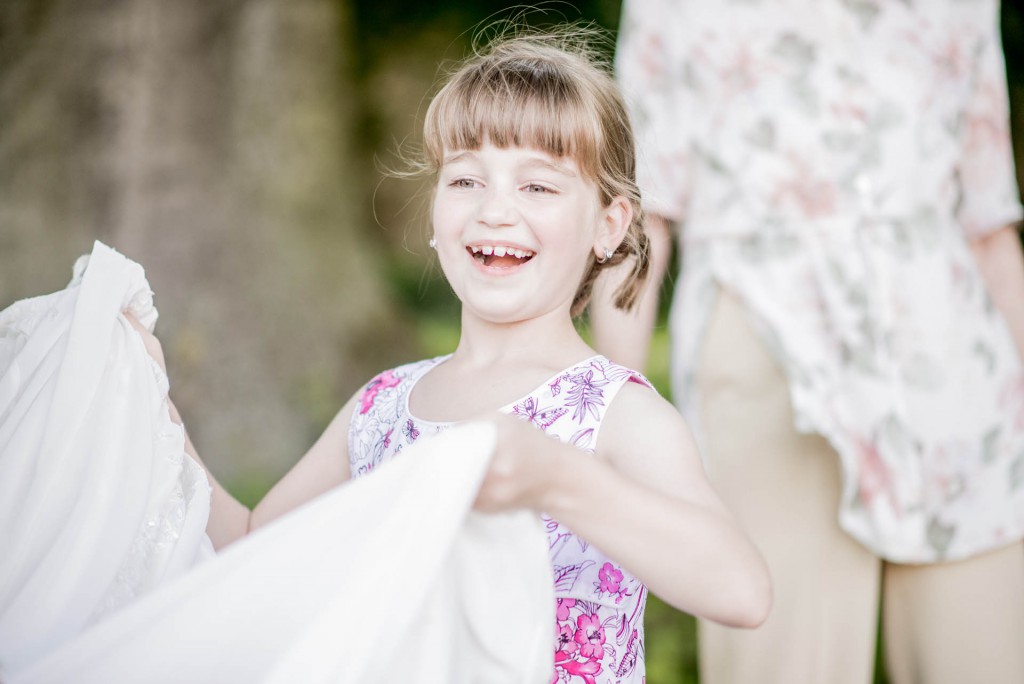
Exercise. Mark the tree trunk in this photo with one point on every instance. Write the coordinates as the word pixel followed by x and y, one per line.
pixel 210 140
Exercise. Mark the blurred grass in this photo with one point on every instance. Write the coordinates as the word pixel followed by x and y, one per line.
pixel 671 643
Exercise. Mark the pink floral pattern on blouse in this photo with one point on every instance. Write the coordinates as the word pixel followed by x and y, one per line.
pixel 598 632
pixel 828 162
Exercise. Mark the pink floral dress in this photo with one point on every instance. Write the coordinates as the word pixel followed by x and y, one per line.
pixel 599 633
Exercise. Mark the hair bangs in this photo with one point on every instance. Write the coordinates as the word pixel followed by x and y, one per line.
pixel 514 105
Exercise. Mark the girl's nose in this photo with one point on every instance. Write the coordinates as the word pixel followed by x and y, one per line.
pixel 498 208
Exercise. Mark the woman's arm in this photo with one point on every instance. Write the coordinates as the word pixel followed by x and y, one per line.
pixel 1001 263
pixel 644 500
pixel 625 336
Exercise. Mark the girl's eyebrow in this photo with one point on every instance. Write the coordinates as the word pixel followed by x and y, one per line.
pixel 456 156
pixel 548 164
pixel 531 162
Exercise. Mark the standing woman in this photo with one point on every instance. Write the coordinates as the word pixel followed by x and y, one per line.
pixel 848 320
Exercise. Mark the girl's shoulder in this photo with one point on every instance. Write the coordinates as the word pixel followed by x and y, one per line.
pixel 631 391
pixel 640 419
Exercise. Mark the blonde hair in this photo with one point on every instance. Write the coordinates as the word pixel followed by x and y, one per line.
pixel 549 91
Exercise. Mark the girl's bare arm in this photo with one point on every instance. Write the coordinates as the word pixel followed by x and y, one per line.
pixel 644 500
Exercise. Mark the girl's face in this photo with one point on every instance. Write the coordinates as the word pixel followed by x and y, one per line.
pixel 515 229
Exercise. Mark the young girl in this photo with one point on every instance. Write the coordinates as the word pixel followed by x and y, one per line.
pixel 535 194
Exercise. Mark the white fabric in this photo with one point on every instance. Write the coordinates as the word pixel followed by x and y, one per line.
pixel 98 502
pixel 385 579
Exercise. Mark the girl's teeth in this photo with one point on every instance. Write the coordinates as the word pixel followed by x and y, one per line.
pixel 500 251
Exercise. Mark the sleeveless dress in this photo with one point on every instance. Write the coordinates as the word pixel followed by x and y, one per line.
pixel 598 632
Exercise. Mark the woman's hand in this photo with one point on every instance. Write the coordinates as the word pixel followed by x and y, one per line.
pixel 518 474
pixel 149 340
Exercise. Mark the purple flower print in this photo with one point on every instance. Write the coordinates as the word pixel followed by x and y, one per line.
pixel 586 395
pixel 590 636
pixel 542 418
pixel 410 431
pixel 566 575
pixel 628 663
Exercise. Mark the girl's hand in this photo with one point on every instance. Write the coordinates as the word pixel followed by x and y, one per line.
pixel 150 341
pixel 517 477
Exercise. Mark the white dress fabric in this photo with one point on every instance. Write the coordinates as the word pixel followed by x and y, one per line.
pixel 98 502
pixel 381 580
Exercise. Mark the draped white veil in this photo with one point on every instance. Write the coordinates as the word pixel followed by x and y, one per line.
pixel 106 574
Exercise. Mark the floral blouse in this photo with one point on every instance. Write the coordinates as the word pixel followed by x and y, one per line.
pixel 828 162
pixel 598 632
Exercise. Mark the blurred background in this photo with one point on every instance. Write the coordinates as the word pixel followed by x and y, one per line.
pixel 237 149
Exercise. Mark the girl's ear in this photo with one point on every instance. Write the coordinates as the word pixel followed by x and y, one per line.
pixel 615 221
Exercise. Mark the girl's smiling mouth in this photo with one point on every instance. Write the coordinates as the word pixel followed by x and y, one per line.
pixel 499 256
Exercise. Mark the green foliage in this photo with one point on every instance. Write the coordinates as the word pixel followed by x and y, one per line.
pixel 671 642
pixel 250 486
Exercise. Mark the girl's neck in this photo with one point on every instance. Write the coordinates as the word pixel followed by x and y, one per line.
pixel 549 341
pixel 495 365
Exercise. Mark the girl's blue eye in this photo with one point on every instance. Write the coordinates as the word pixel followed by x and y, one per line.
pixel 462 183
pixel 534 187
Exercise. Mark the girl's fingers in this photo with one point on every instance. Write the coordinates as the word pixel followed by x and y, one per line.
pixel 514 479
pixel 149 340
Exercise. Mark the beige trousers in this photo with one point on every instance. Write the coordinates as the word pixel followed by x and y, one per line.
pixel 959 622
